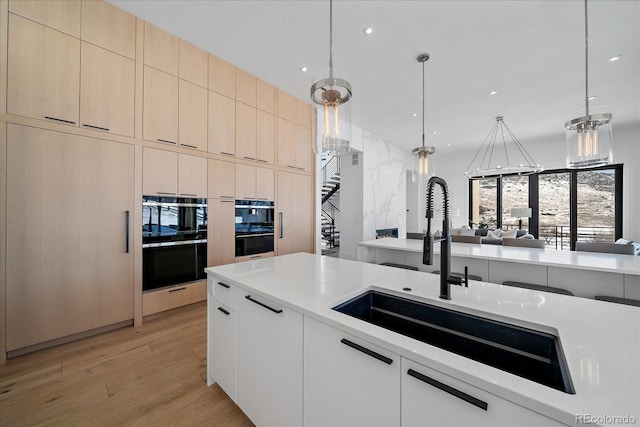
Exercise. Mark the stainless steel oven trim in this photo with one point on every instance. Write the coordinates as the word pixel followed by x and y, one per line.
pixel 253 207
pixel 178 243
pixel 175 204
pixel 244 236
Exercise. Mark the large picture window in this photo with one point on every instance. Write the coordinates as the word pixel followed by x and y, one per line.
pixel 567 205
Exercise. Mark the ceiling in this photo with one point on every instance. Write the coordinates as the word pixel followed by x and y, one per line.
pixel 530 52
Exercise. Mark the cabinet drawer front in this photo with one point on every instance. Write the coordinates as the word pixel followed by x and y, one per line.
pixel 225 293
pixel 224 348
pixel 429 396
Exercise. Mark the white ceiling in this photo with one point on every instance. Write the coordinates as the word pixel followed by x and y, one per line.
pixel 531 52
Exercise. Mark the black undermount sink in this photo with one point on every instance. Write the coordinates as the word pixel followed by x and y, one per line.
pixel 530 354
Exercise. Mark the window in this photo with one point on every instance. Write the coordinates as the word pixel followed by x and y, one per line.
pixel 567 205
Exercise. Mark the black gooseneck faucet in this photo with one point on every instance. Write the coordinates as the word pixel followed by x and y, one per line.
pixel 445 241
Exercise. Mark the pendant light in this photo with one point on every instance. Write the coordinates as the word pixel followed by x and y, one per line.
pixel 589 138
pixel 333 95
pixel 421 154
pixel 511 158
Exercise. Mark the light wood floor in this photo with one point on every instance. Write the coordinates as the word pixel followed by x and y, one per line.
pixel 152 375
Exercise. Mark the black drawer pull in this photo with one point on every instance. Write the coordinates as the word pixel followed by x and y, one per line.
pixel 448 389
pixel 178 289
pixel 188 194
pixel 60 120
pixel 224 285
pixel 224 311
pixel 248 158
pixel 366 351
pixel 263 161
pixel 165 192
pixel 263 305
pixel 187 145
pixel 95 127
pixel 227 154
pixel 167 141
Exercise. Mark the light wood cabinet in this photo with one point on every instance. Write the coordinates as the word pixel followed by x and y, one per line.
pixel 70 267
pixel 61 15
pixel 192 176
pixel 159 172
pixel 222 77
pixel 192 116
pixel 178 296
pixel 222 125
pixel 269 358
pixel 161 49
pixel 265 137
pixel 287 106
pixel 43 78
pixel 160 112
pixel 360 389
pixel 287 144
pixel 265 96
pixel 107 87
pixel 294 226
pixel 303 114
pixel 194 64
pixel 222 179
pixel 109 27
pixel 221 243
pixel 245 131
pixel 254 182
pixel 246 87
pixel 304 153
pixel 255 257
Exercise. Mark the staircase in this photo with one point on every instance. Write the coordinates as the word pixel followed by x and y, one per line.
pixel 330 215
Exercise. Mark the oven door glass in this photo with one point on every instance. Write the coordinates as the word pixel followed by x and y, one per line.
pixel 171 265
pixel 170 219
pixel 254 244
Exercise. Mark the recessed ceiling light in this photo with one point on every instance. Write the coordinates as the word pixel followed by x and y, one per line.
pixel 304 69
pixel 368 31
pixel 448 145
pixel 434 132
pixel 414 115
pixel 615 58
pixel 591 98
pixel 493 92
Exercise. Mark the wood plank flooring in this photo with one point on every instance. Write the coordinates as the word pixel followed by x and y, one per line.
pixel 151 375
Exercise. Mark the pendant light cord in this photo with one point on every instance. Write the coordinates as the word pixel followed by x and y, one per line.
pixel 423 109
pixel 330 39
pixel 586 59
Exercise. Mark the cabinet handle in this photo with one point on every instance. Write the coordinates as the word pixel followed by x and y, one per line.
pixel 448 389
pixel 166 140
pixel 228 197
pixel 223 310
pixel 255 256
pixel 60 120
pixel 292 167
pixel 164 192
pixel 248 158
pixel 187 145
pixel 227 154
pixel 263 305
pixel 126 233
pixel 224 285
pixel 263 161
pixel 178 289
pixel 366 351
pixel 188 194
pixel 281 226
pixel 95 127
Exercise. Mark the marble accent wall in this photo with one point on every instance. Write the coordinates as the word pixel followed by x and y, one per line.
pixel 384 187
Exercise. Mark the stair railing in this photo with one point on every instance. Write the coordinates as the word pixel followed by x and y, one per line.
pixel 330 169
pixel 331 214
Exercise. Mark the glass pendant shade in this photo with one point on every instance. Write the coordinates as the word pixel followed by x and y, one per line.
pixel 589 141
pixel 333 96
pixel 420 163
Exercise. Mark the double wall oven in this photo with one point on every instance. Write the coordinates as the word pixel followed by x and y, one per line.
pixel 174 241
pixel 254 227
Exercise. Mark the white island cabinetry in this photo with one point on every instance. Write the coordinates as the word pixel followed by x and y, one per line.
pixel 269 361
pixel 348 381
pixel 224 334
pixel 430 397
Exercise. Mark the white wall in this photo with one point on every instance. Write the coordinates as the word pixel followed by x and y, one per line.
pixel 550 153
pixel 351 204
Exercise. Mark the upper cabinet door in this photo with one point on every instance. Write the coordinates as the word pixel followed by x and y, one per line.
pixel 160 112
pixel 265 97
pixel 192 113
pixel 194 64
pixel 304 159
pixel 161 49
pixel 159 172
pixel 287 106
pixel 245 182
pixel 265 137
pixel 107 91
pixel 245 131
pixel 192 176
pixel 222 179
pixel 109 27
pixel 303 114
pixel 62 15
pixel 222 77
pixel 265 184
pixel 222 125
pixel 246 87
pixel 286 144
pixel 43 72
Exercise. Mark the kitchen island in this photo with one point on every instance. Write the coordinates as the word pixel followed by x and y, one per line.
pixel 278 350
pixel 586 274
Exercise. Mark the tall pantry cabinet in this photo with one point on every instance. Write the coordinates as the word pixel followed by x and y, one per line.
pixel 98 108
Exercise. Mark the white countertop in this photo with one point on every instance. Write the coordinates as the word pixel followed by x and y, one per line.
pixel 612 263
pixel 601 341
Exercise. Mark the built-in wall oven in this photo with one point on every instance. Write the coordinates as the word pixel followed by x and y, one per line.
pixel 174 241
pixel 254 227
